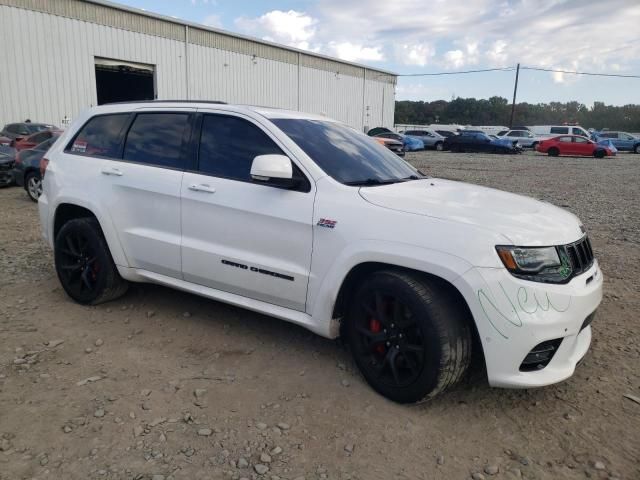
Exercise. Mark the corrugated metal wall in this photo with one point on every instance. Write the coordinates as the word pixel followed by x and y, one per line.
pixel 49 48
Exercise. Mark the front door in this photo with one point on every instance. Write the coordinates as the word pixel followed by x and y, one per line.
pixel 239 236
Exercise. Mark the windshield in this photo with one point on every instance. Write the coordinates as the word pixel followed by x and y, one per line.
pixel 348 156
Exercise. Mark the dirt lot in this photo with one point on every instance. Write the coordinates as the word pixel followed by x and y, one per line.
pixel 163 384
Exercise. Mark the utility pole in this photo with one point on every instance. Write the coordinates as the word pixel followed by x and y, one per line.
pixel 515 90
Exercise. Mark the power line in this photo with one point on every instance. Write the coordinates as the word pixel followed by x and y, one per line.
pixel 436 74
pixel 570 72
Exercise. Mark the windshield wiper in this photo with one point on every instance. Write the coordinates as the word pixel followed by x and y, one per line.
pixel 373 181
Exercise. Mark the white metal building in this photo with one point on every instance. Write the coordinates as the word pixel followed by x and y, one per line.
pixel 58 57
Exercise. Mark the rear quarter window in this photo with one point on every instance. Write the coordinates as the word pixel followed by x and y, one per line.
pixel 559 130
pixel 100 137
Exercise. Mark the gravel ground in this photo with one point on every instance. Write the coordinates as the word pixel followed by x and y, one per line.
pixel 162 384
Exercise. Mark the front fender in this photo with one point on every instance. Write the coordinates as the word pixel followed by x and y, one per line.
pixel 323 292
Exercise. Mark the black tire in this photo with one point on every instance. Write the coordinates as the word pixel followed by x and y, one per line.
pixel 439 146
pixel 599 154
pixel 84 264
pixel 33 185
pixel 410 337
pixel 636 149
pixel 553 152
pixel 534 146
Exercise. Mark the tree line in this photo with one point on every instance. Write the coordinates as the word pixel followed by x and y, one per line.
pixel 497 111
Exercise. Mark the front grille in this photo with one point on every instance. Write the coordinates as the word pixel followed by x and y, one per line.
pixel 6 166
pixel 580 255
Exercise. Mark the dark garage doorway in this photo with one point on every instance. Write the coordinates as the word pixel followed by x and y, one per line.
pixel 120 81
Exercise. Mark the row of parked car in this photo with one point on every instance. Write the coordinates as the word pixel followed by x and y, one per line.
pixel 22 147
pixel 553 140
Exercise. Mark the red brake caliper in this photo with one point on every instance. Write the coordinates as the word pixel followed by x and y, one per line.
pixel 375 326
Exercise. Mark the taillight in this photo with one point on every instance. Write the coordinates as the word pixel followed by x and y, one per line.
pixel 44 163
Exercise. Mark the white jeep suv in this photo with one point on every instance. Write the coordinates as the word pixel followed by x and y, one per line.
pixel 305 219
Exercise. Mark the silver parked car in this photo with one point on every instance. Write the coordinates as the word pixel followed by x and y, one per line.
pixel 430 138
pixel 524 137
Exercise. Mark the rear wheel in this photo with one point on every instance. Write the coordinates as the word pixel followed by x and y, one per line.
pixel 553 152
pixel 534 146
pixel 599 154
pixel 84 264
pixel 636 149
pixel 409 337
pixel 33 185
pixel 439 146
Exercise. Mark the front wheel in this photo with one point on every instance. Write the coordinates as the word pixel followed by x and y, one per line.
pixel 553 152
pixel 439 146
pixel 599 154
pixel 84 264
pixel 636 149
pixel 33 185
pixel 410 337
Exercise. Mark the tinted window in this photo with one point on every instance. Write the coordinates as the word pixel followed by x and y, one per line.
pixel 514 134
pixel 578 131
pixel 228 146
pixel 156 139
pixel 345 154
pixel 559 130
pixel 101 136
pixel 580 140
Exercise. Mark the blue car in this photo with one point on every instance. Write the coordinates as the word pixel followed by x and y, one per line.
pixel 623 141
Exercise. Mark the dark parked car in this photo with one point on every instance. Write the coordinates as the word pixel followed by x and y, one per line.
pixel 480 142
pixel 26 171
pixel 18 131
pixel 7 157
pixel 446 133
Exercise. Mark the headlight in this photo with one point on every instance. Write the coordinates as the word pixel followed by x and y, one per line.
pixel 538 264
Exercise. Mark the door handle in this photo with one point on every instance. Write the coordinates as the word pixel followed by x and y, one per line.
pixel 112 171
pixel 202 188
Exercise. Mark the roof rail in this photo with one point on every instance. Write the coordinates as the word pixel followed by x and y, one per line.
pixel 218 102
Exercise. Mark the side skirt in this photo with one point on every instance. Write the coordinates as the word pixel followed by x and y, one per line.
pixel 324 329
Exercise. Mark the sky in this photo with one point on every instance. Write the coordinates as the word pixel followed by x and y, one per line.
pixel 429 36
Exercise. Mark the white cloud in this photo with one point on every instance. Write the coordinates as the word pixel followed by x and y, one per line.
pixel 213 21
pixel 292 28
pixel 419 55
pixel 454 59
pixel 355 53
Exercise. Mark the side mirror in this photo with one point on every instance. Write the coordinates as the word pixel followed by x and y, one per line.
pixel 273 170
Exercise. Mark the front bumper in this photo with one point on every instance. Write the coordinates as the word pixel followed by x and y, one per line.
pixel 513 316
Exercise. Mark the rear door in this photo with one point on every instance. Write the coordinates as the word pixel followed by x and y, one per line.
pixel 240 236
pixel 138 162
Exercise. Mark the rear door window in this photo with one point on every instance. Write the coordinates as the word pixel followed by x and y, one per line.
pixel 101 136
pixel 565 139
pixel 157 139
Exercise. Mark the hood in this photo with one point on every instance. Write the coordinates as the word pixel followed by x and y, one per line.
pixel 522 220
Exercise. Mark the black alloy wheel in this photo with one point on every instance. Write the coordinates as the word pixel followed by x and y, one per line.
pixel 84 264
pixel 409 337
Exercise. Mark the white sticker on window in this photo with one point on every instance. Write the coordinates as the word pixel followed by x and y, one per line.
pixel 79 147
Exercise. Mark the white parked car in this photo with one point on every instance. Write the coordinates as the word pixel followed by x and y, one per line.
pixel 305 219
pixel 524 137
pixel 550 131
